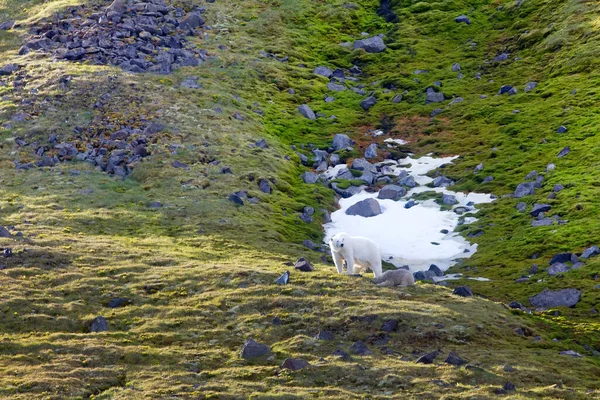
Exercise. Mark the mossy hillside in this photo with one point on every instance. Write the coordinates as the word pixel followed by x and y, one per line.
pixel 186 265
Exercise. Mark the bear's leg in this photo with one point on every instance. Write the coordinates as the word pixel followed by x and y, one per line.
pixel 386 283
pixel 376 267
pixel 338 261
pixel 350 264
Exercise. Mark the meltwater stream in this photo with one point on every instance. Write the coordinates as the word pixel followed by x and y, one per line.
pixel 411 236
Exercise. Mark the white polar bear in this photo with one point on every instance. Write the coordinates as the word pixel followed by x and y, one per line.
pixel 358 252
pixel 398 277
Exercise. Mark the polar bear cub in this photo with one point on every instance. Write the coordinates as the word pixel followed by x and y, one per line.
pixel 358 252
pixel 398 277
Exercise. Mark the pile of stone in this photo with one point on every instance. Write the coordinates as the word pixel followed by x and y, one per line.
pixel 137 36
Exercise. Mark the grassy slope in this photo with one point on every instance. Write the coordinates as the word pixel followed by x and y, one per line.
pixel 183 264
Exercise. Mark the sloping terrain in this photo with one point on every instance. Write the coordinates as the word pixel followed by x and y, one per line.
pixel 116 188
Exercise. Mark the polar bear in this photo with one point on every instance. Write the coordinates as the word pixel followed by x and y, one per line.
pixel 358 252
pixel 398 277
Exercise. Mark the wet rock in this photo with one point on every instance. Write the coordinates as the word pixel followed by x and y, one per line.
pixel 359 348
pixel 391 192
pixel 371 45
pixel 539 208
pixel 365 208
pixel 306 111
pixel 564 152
pixel 463 291
pixel 556 298
pixel 236 199
pixel 99 324
pixel 294 364
pixel 428 358
pixel 454 359
pixel 252 349
pixel 368 103
pixel 303 265
pixel 590 252
pixel 462 19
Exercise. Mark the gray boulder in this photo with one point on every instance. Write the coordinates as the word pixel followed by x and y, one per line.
pixel 391 192
pixel 508 89
pixel 521 207
pixel 564 152
pixel 590 252
pixel 365 208
pixel 463 291
pixel 8 69
pixel 371 45
pixel 323 71
pixel 192 20
pixel 563 258
pixel 346 193
pixel 556 298
pixel 449 199
pixel 341 141
pixel 264 186
pixel 5 26
pixel 363 165
pixel 462 19
pixel 309 177
pixel 307 112
pixel 99 324
pixel 561 129
pixel 558 268
pixel 371 151
pixel 408 181
pixel 368 103
pixel 335 87
pixel 524 189
pixel 442 181
pixel 539 208
pixel 455 67
pixel 294 364
pixel 252 349
pixel 530 86
pixel 433 96
pixel 397 98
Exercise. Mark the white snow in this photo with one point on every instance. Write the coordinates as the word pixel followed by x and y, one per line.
pixel 453 277
pixel 405 236
pixel 396 141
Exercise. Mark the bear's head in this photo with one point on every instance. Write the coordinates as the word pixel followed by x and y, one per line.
pixel 336 242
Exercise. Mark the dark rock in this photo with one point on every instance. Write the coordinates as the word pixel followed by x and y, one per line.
pixel 7 252
pixel 341 141
pixel 463 291
pixel 462 18
pixel 556 298
pixel 234 198
pixel 283 279
pixel 4 232
pixel 324 335
pixel 409 204
pixel 428 358
pixel 368 103
pixel 501 57
pixel 590 252
pixel 99 324
pixel 508 89
pixel 252 349
pixel 454 359
pixel 361 164
pixel 390 325
pixel 303 265
pixel 561 129
pixel 434 269
pixel 564 152
pixel 365 208
pixel 118 302
pixel 192 20
pixel 75 54
pixel 539 208
pixel 294 364
pixel 371 45
pixel 306 111
pixel 509 387
pixel 8 69
pixel 508 368
pixel 397 98
pixel 436 112
pixel 557 188
pixel 5 26
pixel 323 71
pixel 179 164
pixel 264 186
pixel 521 207
pixel 534 269
pixel 487 179
pixel 391 192
pixel 455 67
pixel 359 348
pixel 515 304
pixel 371 151
pixel 262 143
pixel 563 258
pixel 346 193
pixel 342 354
